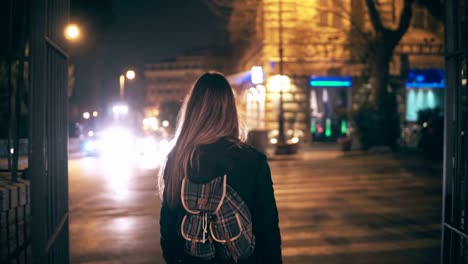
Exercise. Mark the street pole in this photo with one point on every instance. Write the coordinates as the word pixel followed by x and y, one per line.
pixel 281 136
pixel 122 86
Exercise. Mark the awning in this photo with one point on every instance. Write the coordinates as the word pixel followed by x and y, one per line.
pixel 239 78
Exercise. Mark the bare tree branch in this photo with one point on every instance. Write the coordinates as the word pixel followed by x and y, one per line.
pixel 435 7
pixel 220 8
pixel 374 16
pixel 405 19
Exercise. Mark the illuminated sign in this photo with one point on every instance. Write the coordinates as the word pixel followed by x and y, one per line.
pixel 429 78
pixel 330 82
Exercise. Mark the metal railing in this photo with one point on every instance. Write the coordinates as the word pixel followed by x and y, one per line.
pixel 455 182
pixel 48 154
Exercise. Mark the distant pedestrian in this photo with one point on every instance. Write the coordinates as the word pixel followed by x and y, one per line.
pixel 218 204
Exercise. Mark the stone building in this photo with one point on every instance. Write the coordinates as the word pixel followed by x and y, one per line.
pixel 323 57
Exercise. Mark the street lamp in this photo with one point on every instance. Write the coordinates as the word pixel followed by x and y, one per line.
pixel 281 136
pixel 72 32
pixel 282 146
pixel 130 74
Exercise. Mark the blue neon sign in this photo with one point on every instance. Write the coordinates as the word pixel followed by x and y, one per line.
pixel 428 78
pixel 330 82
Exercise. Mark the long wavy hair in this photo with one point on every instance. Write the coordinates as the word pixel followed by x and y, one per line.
pixel 209 113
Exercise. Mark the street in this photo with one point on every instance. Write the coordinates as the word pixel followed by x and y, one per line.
pixel 114 212
pixel 356 208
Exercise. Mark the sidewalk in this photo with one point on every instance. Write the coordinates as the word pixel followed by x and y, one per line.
pixel 358 207
pixel 23 160
pixel 22 163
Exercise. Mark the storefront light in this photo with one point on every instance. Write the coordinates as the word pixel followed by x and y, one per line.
pixel 261 90
pixel 256 75
pixel 277 82
pixel 328 127
pixel 344 127
pixel 254 93
pixel 313 127
pixel 326 81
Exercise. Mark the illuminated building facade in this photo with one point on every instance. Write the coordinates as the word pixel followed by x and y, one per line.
pixel 321 56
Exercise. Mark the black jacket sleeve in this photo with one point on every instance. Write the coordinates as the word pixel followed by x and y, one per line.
pixel 170 242
pixel 265 218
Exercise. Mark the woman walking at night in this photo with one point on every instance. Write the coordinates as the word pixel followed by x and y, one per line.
pixel 218 204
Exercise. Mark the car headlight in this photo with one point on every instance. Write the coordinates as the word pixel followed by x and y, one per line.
pixel 90 146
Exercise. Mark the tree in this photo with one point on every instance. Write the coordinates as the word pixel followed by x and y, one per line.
pixel 435 7
pixel 381 46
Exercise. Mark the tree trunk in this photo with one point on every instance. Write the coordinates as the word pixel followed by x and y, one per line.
pixel 383 98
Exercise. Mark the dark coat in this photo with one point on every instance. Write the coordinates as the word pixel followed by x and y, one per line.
pixel 249 175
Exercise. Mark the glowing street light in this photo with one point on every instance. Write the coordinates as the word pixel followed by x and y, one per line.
pixel 86 115
pixel 95 113
pixel 72 32
pixel 130 74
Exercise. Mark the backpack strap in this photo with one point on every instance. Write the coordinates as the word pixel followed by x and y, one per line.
pixel 182 196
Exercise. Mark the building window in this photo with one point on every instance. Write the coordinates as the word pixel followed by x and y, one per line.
pixel 420 18
pixel 328 13
pixel 423 20
pixel 337 21
pixel 323 14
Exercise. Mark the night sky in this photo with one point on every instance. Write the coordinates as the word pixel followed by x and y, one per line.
pixel 141 31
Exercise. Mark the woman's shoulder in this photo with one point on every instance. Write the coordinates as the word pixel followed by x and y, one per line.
pixel 252 152
pixel 232 151
pixel 248 157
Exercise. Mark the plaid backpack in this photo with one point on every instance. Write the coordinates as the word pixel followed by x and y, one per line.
pixel 217 222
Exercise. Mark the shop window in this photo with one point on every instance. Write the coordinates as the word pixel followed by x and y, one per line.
pixel 422 99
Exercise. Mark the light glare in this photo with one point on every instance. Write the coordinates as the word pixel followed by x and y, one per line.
pixel 72 32
pixel 120 109
pixel 130 74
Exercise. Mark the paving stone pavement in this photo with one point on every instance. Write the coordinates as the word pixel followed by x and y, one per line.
pixel 358 208
pixel 334 208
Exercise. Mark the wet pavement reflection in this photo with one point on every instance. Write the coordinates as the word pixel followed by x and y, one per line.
pixel 333 208
pixel 114 211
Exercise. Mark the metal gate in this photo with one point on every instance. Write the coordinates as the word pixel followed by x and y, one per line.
pixel 455 205
pixel 48 148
